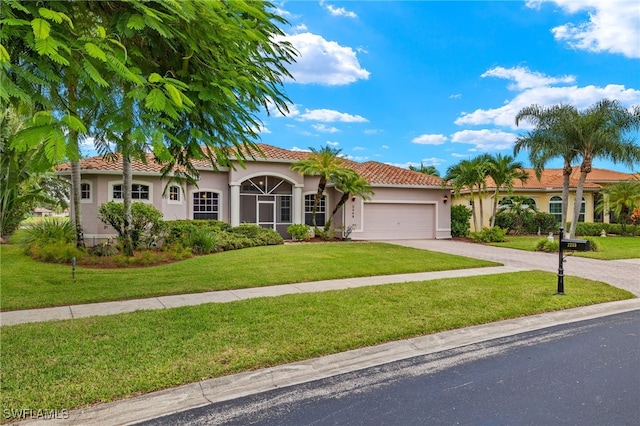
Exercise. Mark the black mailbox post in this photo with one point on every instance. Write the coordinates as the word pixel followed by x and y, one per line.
pixel 568 244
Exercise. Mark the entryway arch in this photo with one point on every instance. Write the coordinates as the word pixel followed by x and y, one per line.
pixel 267 201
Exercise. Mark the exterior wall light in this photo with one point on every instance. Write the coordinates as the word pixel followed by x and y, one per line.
pixel 445 199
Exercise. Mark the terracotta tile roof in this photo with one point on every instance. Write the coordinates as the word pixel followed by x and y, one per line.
pixel 385 174
pixel 552 178
pixel 375 173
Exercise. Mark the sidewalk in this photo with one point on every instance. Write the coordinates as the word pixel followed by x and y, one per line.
pixel 166 302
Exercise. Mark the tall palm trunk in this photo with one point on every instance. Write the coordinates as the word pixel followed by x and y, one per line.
pixel 316 201
pixel 566 178
pixel 127 178
pixel 480 201
pixel 473 211
pixel 494 208
pixel 577 205
pixel 342 202
pixel 75 166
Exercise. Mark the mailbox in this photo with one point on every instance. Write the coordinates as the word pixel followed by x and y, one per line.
pixel 577 245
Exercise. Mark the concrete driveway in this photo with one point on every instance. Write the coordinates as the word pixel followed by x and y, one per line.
pixel 624 274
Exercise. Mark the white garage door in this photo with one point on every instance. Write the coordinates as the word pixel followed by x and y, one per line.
pixel 398 221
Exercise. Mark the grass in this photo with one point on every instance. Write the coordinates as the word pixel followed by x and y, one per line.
pixel 609 248
pixel 75 363
pixel 29 284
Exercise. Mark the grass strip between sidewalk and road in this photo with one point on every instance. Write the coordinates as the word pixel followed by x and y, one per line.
pixel 75 363
pixel 28 284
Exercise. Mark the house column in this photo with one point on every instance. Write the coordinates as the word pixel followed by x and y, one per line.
pixel 234 204
pixel 298 204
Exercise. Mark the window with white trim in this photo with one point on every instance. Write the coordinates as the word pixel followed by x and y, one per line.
pixel 555 208
pixel 205 205
pixel 85 192
pixel 320 211
pixel 175 195
pixel 140 191
pixel 583 208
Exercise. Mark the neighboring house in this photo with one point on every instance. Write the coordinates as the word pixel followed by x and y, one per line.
pixel 546 193
pixel 405 205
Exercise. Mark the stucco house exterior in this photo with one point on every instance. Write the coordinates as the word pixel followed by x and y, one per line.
pixel 405 205
pixel 546 193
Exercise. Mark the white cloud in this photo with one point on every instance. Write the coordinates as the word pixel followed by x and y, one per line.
pixel 455 96
pixel 295 148
pixel 525 78
pixel 538 90
pixel 430 139
pixel 485 139
pixel 385 147
pixel 359 148
pixel 301 28
pixel 333 143
pixel 324 62
pixel 329 116
pixel 359 159
pixel 613 26
pixel 340 11
pixel 324 129
pixel 373 131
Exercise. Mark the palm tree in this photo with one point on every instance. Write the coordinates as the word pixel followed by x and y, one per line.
pixel 621 199
pixel 350 183
pixel 470 174
pixel 519 206
pixel 324 163
pixel 504 170
pixel 547 141
pixel 600 133
pixel 427 170
pixel 597 132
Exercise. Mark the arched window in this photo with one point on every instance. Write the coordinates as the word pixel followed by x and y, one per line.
pixel 267 201
pixel 205 205
pixel 555 207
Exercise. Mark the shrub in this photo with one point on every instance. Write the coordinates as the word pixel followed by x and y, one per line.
pixel 554 246
pixel 299 232
pixel 259 235
pixel 146 221
pixel 490 235
pixel 548 246
pixel 203 237
pixel 49 230
pixel 55 251
pixel 527 222
pixel 460 216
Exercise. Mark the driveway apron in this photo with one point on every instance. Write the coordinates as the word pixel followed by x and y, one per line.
pixel 623 274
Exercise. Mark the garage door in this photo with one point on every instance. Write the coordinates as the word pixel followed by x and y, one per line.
pixel 398 221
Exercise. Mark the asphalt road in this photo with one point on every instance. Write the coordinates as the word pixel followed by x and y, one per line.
pixel 584 373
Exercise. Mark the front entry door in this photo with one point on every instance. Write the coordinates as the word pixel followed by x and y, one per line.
pixel 267 214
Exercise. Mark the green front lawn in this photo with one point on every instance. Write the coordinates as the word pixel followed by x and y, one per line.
pixel 75 363
pixel 29 284
pixel 609 248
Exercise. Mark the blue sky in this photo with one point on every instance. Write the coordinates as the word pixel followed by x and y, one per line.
pixel 405 82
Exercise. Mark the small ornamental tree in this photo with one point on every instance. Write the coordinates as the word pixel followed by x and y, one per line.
pixel 146 220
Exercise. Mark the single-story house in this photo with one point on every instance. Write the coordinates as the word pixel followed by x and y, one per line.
pixel 546 193
pixel 405 204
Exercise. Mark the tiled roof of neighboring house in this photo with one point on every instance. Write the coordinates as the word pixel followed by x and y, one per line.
pixel 552 179
pixel 375 173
